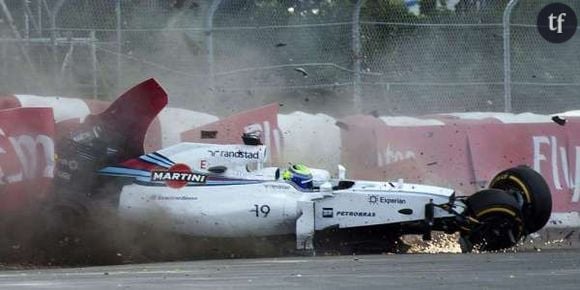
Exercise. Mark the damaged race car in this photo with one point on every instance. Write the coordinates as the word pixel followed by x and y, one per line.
pixel 228 191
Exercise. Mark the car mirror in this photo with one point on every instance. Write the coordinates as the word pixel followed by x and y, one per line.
pixel 341 172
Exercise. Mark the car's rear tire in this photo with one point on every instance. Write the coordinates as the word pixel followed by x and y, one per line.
pixel 496 221
pixel 529 186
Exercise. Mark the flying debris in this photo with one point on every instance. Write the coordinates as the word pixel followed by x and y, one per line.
pixel 559 120
pixel 302 71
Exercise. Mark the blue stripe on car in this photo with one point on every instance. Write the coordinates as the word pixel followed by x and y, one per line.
pixel 157 155
pixel 121 171
pixel 151 160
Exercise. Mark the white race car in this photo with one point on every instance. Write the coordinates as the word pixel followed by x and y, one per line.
pixel 214 190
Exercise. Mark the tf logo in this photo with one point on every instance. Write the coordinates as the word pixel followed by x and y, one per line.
pixel 557 22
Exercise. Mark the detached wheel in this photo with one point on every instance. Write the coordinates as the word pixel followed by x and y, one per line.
pixel 530 188
pixel 496 221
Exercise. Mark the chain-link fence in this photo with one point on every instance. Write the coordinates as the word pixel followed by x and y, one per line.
pixel 545 76
pixel 390 57
pixel 440 60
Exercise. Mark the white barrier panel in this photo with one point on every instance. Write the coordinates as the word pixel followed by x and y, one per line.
pixel 310 139
pixel 63 108
pixel 174 121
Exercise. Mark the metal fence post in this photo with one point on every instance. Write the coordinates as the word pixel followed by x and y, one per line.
pixel 94 64
pixel 507 56
pixel 54 43
pixel 26 23
pixel 209 42
pixel 357 55
pixel 39 15
pixel 118 27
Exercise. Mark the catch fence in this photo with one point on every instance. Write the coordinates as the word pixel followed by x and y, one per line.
pixel 390 57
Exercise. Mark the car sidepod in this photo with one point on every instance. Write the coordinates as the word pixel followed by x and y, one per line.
pixel 368 205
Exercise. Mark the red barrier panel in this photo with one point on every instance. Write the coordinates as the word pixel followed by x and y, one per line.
pixel 26 154
pixel 424 154
pixel 550 149
pixel 465 154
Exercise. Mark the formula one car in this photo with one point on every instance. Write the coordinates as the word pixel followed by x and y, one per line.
pixel 208 190
pixel 216 190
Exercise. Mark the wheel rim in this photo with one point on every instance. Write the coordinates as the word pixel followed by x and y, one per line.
pixel 498 230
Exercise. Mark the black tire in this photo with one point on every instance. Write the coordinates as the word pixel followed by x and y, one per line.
pixel 528 185
pixel 496 220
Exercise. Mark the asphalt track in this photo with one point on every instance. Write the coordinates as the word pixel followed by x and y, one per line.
pixel 555 269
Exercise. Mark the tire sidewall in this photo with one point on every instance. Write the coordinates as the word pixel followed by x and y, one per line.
pixel 534 191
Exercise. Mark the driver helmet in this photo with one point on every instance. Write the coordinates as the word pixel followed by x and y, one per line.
pixel 300 175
